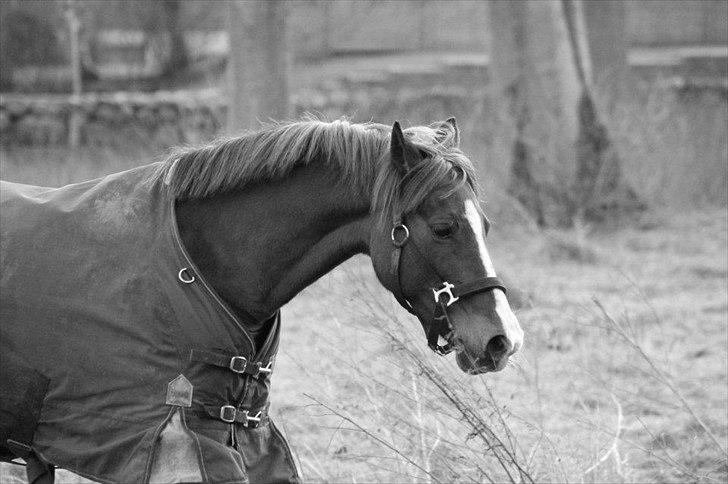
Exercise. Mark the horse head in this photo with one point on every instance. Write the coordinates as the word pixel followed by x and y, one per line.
pixel 428 248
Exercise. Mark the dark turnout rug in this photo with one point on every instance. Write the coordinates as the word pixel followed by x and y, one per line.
pixel 110 336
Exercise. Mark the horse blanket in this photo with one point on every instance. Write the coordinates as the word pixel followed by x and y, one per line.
pixel 110 337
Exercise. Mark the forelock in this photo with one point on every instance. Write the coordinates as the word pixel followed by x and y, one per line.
pixel 445 170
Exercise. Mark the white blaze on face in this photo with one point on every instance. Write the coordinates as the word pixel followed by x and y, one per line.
pixel 511 329
pixel 476 224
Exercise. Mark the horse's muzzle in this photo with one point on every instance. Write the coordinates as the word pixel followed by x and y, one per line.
pixel 495 357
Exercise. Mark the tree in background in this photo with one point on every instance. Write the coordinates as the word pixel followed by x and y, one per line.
pixel 27 39
pixel 258 65
pixel 607 37
pixel 563 165
pixel 168 23
pixel 600 188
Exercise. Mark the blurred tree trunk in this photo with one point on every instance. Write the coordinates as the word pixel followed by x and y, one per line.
pixel 601 192
pixel 541 75
pixel 177 61
pixel 606 27
pixel 258 64
pixel 536 87
pixel 74 30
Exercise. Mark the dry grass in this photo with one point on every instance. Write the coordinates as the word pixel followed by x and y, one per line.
pixel 581 404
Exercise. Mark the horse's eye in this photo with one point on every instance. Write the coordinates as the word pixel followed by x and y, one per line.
pixel 443 231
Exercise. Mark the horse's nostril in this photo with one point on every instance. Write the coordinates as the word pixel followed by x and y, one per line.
pixel 497 347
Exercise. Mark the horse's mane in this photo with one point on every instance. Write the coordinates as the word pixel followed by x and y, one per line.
pixel 358 153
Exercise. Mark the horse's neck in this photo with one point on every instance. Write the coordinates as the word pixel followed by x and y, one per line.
pixel 260 246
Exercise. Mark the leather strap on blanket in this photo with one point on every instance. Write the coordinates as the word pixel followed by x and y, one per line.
pixel 231 414
pixel 242 366
pixel 236 364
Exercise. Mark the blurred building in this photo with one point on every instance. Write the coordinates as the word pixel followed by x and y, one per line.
pixel 131 39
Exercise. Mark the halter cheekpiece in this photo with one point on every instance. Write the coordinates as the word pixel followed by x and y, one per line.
pixel 440 330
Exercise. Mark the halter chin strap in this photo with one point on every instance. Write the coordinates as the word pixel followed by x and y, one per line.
pixel 439 331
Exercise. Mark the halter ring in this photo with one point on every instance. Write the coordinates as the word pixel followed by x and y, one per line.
pixel 447 289
pixel 400 243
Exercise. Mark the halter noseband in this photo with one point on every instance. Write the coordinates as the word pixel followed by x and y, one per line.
pixel 439 331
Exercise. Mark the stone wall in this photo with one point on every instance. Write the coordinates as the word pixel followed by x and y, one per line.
pixel 109 119
pixel 166 118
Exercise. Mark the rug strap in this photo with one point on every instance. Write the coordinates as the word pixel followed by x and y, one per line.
pixel 236 364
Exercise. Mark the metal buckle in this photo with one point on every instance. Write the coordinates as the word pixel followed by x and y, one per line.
pixel 447 289
pixel 238 364
pixel 443 349
pixel 256 419
pixel 443 344
pixel 228 413
pixel 398 243
pixel 267 368
pixel 257 368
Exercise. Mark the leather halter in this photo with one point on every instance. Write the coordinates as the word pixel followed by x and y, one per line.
pixel 440 328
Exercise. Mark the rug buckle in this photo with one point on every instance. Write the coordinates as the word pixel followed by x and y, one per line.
pixel 267 368
pixel 248 418
pixel 238 364
pixel 228 413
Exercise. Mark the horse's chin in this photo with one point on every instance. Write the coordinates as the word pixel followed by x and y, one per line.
pixel 474 366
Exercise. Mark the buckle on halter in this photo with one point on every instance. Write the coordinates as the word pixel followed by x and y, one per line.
pixel 238 364
pixel 443 349
pixel 228 413
pixel 447 289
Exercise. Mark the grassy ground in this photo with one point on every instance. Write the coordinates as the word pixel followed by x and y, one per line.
pixel 622 378
pixel 589 399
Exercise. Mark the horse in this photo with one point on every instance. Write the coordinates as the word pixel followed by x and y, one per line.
pixel 140 312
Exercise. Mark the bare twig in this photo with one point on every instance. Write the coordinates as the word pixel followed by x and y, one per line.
pixel 420 421
pixel 614 448
pixel 480 428
pixel 373 437
pixel 661 376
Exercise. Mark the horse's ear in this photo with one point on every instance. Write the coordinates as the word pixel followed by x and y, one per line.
pixel 450 132
pixel 404 154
